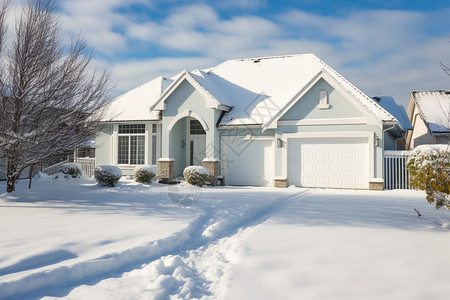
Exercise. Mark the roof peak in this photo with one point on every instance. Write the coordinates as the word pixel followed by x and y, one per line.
pixel 258 59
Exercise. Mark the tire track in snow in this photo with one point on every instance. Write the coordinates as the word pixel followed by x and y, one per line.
pixel 204 233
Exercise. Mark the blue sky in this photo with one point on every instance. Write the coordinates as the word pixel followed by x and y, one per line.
pixel 383 47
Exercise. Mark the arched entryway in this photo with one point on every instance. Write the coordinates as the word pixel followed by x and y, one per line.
pixel 187 136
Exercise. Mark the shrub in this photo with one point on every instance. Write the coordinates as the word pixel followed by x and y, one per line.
pixel 71 169
pixel 429 168
pixel 144 174
pixel 107 175
pixel 196 175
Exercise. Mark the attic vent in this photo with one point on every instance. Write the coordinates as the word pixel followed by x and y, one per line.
pixel 256 60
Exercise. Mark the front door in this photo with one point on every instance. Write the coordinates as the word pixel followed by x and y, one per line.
pixel 196 143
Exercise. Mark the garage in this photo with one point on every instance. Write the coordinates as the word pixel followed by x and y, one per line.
pixel 329 162
pixel 247 161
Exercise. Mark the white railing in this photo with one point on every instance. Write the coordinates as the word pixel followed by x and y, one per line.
pixel 396 175
pixel 53 169
pixel 87 165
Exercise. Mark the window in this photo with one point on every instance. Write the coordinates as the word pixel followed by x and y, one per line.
pixel 132 128
pixel 154 149
pixel 191 153
pixel 323 100
pixel 154 139
pixel 196 128
pixel 131 144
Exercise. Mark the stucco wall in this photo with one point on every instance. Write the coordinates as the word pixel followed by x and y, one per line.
pixel 103 142
pixel 419 135
pixel 306 107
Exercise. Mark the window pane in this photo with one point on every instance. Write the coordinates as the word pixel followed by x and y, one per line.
pixel 154 128
pixel 195 127
pixel 191 153
pixel 123 150
pixel 140 159
pixel 133 149
pixel 132 128
pixel 154 150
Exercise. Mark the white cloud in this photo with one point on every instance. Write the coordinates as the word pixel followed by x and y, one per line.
pixel 382 52
pixel 130 74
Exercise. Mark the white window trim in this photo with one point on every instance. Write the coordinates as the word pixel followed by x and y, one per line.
pixel 323 100
pixel 116 144
pixel 150 141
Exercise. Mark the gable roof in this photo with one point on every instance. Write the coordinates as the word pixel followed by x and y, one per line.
pixel 253 91
pixel 434 108
pixel 398 111
pixel 259 89
pixel 189 77
pixel 135 104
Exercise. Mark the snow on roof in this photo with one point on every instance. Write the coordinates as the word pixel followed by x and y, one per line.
pixel 135 104
pixel 434 108
pixel 398 111
pixel 259 88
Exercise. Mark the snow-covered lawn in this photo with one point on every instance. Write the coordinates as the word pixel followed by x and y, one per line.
pixel 75 240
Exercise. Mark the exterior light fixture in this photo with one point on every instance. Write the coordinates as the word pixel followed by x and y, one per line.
pixel 279 143
pixel 376 141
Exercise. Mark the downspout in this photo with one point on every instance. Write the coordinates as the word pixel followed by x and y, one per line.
pixel 382 153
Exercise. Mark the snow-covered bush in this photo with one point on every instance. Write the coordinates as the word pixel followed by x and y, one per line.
pixel 107 175
pixel 429 168
pixel 144 174
pixel 71 169
pixel 196 175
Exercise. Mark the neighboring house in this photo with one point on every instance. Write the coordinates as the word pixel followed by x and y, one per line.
pixel 429 112
pixel 286 120
pixel 399 112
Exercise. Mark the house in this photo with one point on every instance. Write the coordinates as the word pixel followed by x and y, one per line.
pixel 429 113
pixel 399 112
pixel 284 120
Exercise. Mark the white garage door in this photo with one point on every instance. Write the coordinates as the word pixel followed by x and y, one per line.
pixel 247 162
pixel 329 162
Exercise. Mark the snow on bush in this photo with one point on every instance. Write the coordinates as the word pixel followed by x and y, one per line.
pixel 144 174
pixel 107 175
pixel 196 175
pixel 429 168
pixel 71 169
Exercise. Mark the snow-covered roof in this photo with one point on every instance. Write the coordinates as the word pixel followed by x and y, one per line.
pixel 434 108
pixel 398 111
pixel 135 104
pixel 253 91
pixel 259 88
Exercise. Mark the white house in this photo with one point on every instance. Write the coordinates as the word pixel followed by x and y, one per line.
pixel 429 112
pixel 285 120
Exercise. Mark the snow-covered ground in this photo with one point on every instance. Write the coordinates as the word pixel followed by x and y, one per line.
pixel 74 240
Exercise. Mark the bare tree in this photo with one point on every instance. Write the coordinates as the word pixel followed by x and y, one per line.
pixel 50 100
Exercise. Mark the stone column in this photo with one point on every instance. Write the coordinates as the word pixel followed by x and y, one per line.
pixel 165 168
pixel 376 184
pixel 280 182
pixel 212 164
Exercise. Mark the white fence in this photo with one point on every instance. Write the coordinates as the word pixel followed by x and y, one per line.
pixel 53 169
pixel 396 175
pixel 87 165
